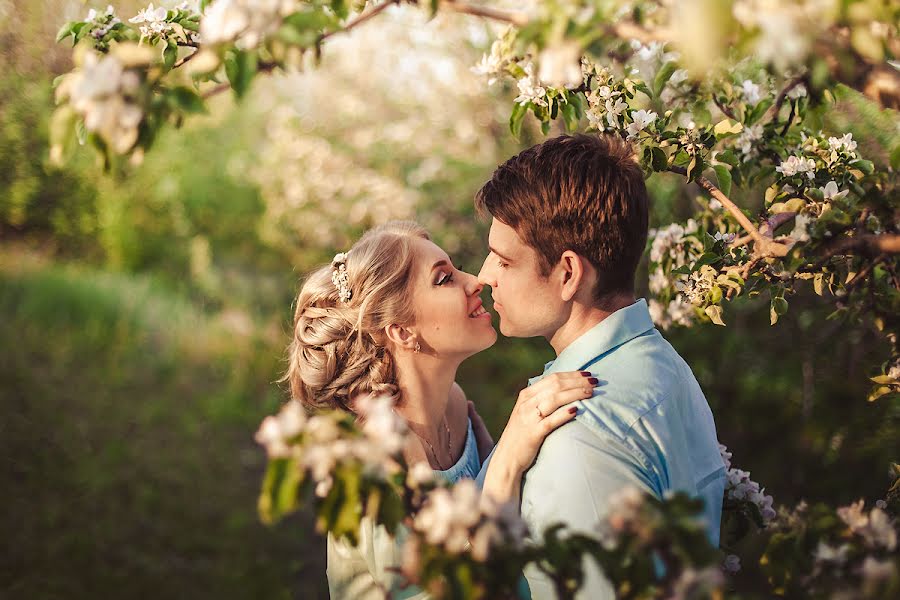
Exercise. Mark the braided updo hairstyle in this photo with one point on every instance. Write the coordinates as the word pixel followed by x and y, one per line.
pixel 339 348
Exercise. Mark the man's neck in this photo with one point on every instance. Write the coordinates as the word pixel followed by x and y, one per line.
pixel 585 317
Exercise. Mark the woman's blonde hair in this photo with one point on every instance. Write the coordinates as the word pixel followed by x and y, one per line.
pixel 339 348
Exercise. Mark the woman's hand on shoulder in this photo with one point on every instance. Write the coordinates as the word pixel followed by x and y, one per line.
pixel 539 410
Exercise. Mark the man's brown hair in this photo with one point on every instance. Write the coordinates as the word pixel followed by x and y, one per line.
pixel 583 193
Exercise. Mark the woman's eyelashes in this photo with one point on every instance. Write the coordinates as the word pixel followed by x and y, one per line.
pixel 444 277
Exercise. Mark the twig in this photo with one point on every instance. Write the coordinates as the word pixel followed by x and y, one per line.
pixel 359 20
pixel 261 68
pixel 185 59
pixel 790 120
pixel 725 110
pixel 866 245
pixel 864 272
pixel 519 19
pixel 764 247
pixel 779 101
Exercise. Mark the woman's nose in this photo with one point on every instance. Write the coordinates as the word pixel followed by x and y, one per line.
pixel 473 286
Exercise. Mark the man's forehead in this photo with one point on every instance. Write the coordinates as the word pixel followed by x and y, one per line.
pixel 503 237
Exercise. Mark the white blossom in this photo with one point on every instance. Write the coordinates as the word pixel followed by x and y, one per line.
pixel 97 91
pixel 150 15
pixel 749 135
pixel 876 527
pixel 492 64
pixel 658 281
pixel 382 423
pixel 530 89
pixel 641 119
pixel 796 164
pixel 750 92
pixel 797 92
pixel 739 486
pixel 875 571
pixel 724 237
pixel 800 233
pixel 826 553
pixel 844 142
pixel 155 19
pixel 244 22
pixel 830 191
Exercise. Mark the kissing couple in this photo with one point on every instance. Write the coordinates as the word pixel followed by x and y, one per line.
pixel 617 408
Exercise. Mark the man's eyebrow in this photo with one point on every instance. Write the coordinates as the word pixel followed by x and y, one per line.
pixel 494 250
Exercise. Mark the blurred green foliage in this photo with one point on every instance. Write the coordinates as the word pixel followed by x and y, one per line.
pixel 142 327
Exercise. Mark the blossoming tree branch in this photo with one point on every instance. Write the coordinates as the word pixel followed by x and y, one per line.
pixel 728 96
pixel 723 98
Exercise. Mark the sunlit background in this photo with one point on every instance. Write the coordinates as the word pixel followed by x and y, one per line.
pixel 143 317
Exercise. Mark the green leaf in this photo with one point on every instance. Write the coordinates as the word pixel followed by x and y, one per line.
pixel 170 55
pixel 694 168
pixel 878 393
pixel 866 166
pixel 662 77
pixel 778 308
pixel 724 177
pixel 516 118
pixel 569 117
pixel 728 156
pixel 545 127
pixel 882 379
pixel 65 31
pixel 658 158
pixel 62 133
pixel 819 283
pixel 240 67
pixel 642 87
pixel 187 100
pixel 727 127
pixel 895 158
pixel 280 487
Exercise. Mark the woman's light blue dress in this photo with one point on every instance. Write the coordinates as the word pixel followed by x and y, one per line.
pixel 366 571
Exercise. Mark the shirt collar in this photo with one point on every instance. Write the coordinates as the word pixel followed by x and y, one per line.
pixel 623 325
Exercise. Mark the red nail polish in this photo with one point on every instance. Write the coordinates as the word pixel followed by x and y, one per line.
pixel 593 381
pixel 573 410
pixel 585 373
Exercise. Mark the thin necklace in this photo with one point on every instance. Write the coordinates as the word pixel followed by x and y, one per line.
pixel 433 453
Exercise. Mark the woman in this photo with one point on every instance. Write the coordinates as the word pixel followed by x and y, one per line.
pixel 394 316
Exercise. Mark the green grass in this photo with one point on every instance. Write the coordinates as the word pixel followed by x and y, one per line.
pixel 128 462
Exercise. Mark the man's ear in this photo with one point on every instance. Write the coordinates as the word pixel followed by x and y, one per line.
pixel 401 337
pixel 574 272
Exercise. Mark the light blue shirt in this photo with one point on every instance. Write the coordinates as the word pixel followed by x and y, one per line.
pixel 648 425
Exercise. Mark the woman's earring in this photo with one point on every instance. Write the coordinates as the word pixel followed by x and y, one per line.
pixel 418 347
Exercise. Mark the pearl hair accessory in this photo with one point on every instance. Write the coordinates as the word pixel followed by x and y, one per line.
pixel 339 276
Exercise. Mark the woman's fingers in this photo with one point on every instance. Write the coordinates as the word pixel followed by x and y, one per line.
pixel 558 417
pixel 550 401
pixel 557 382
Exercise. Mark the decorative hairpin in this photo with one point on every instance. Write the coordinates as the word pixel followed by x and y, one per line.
pixel 339 276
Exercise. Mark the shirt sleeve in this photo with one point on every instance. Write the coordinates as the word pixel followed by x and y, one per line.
pixel 577 471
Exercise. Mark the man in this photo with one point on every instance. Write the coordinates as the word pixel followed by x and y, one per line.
pixel 568 231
